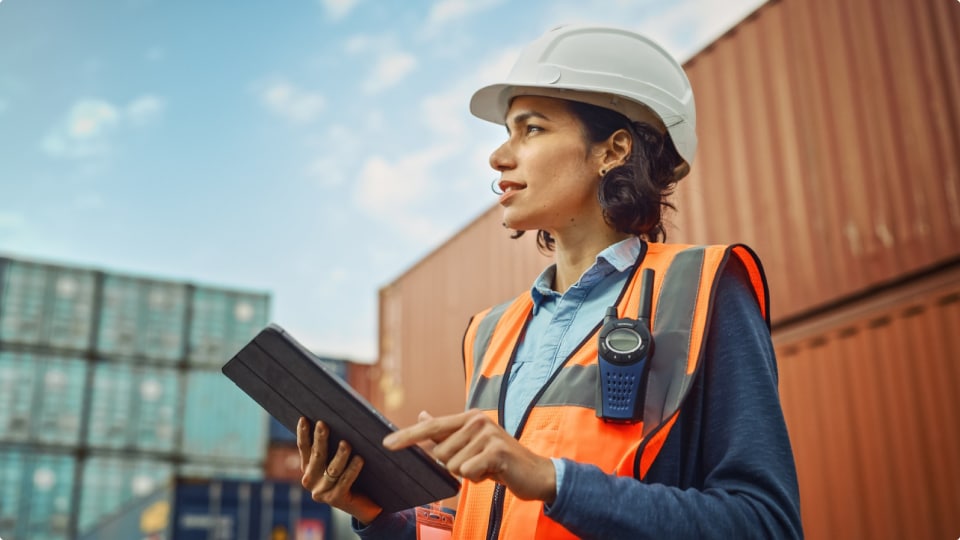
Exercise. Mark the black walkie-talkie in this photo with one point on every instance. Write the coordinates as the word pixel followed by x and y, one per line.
pixel 624 348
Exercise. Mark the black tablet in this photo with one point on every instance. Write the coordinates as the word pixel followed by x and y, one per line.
pixel 288 381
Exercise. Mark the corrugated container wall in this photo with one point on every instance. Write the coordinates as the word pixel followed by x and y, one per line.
pixel 36 491
pixel 829 142
pixel 46 305
pixel 871 402
pixel 142 319
pixel 41 398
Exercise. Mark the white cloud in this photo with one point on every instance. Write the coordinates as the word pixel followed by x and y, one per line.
pixel 144 109
pixel 358 43
pixel 390 69
pixel 84 132
pixel 89 126
pixel 89 119
pixel 384 184
pixel 388 190
pixel 447 11
pixel 293 103
pixel 338 9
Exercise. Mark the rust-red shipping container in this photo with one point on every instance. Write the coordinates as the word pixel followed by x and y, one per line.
pixel 829 143
pixel 283 462
pixel 870 396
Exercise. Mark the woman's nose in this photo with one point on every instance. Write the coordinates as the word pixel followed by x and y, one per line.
pixel 502 158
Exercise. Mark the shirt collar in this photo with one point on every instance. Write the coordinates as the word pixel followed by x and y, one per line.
pixel 617 257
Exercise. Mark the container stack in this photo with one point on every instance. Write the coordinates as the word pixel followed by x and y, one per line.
pixel 109 385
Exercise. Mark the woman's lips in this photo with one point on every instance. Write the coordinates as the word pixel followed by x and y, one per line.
pixel 509 189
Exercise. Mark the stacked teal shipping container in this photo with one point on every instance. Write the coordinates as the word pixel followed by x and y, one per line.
pixel 109 385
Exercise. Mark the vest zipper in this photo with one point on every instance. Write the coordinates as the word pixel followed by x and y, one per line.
pixel 496 512
pixel 499 492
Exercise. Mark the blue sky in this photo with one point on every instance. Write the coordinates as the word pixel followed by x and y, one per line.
pixel 313 149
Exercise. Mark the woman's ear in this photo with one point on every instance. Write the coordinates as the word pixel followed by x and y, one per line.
pixel 616 149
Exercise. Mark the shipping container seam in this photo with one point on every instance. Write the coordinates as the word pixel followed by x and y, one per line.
pixel 944 279
pixel 943 271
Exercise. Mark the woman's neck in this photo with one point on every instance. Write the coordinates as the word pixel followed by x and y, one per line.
pixel 576 253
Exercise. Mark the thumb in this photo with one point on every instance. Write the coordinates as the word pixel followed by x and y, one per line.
pixel 424 416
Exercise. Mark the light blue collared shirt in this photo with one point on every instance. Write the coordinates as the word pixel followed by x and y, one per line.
pixel 560 322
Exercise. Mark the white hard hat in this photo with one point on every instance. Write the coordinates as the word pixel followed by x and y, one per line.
pixel 608 67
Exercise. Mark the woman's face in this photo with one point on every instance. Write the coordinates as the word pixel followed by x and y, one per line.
pixel 548 173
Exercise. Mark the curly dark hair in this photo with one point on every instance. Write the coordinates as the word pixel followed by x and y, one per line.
pixel 633 195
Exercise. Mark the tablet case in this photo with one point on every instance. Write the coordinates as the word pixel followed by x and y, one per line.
pixel 287 381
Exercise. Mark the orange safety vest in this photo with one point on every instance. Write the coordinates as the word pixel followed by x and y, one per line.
pixel 562 419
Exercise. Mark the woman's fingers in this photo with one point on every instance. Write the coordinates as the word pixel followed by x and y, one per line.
pixel 431 429
pixel 341 489
pixel 329 479
pixel 316 457
pixel 303 442
pixel 467 441
pixel 338 464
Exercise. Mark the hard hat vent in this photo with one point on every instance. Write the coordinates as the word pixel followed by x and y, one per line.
pixel 548 74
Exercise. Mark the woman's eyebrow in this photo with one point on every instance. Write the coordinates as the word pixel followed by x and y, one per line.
pixel 523 117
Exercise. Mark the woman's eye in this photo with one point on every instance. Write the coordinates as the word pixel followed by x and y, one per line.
pixel 533 128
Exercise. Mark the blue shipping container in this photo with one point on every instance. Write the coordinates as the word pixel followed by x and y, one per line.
pixel 35 494
pixel 134 407
pixel 222 509
pixel 223 322
pixel 41 397
pixel 142 318
pixel 220 421
pixel 46 305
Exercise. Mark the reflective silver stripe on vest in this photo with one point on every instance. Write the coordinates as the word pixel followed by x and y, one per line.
pixel 667 381
pixel 577 385
pixel 480 343
pixel 574 386
pixel 485 395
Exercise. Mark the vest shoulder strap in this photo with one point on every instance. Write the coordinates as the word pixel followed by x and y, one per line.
pixel 481 341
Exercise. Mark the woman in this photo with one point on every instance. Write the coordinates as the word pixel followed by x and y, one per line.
pixel 600 127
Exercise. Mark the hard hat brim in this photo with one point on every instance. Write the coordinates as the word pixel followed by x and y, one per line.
pixel 491 103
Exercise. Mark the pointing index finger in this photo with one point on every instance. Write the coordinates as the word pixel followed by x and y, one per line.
pixel 433 429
